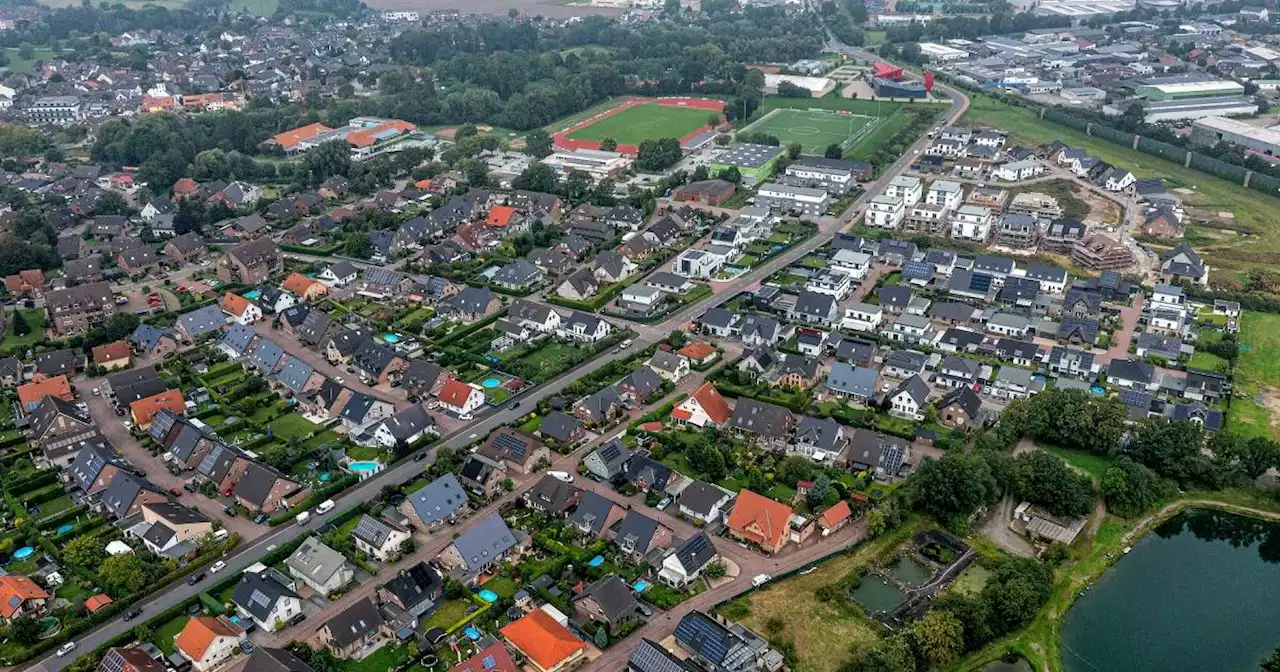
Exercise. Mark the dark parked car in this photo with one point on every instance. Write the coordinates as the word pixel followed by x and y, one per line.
pixel 195 578
pixel 260 518
pixel 420 456
pixel 132 613
pixel 189 486
pixel 230 512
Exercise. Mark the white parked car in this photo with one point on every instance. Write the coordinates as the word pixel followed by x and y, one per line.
pixel 66 648
pixel 217 567
pixel 561 475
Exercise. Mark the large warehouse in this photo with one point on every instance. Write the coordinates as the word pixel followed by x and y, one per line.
pixel 1198 108
pixel 816 86
pixel 1212 130
pixel 1205 89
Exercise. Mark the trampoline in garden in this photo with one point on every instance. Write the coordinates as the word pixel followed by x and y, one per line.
pixel 23 553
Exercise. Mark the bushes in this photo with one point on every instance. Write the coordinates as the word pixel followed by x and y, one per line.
pixel 315 498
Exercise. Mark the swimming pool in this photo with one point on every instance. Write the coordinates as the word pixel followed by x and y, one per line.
pixel 23 553
pixel 639 586
pixel 1098 389
pixel 323 477
pixel 488 596
pixel 65 528
pixel 253 295
pixel 362 467
pixel 490 382
pixel 596 561
pixel 391 338
pixel 472 633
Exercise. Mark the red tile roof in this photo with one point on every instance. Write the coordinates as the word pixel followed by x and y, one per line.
pixel 455 393
pixel 111 352
pixel 714 405
pixel 290 139
pixel 93 604
pixel 57 386
pixel 697 351
pixel 144 410
pixel 234 304
pixel 500 215
pixel 300 284
pixel 542 639
pixel 835 515
pixel 760 519
pixel 16 589
pixel 201 631
pixel 368 136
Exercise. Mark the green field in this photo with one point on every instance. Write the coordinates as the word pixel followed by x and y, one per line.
pixel 26 65
pixel 870 108
pixel 815 131
pixel 1259 342
pixel 1252 210
pixel 648 121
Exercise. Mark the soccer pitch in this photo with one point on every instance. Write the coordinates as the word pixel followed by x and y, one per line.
pixel 814 130
pixel 647 121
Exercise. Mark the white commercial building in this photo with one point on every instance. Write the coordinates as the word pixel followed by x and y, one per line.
pixel 816 86
pixel 886 212
pixel 809 202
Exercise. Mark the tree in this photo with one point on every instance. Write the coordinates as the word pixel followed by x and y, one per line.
pixel 656 155
pixel 84 552
pixel 466 131
pixel 537 143
pixel 537 177
pixel 1045 479
pixel 731 174
pixel 601 638
pixel 577 185
pixel 951 489
pixel 1171 449
pixel 794 149
pixel 789 90
pixel 817 493
pixel 26 51
pixel 938 637
pixel 20 326
pixel 1130 488
pixel 326 160
pixel 700 173
pixel 608 144
pixel 1272 662
pixel 891 654
pixel 1014 592
pixel 356 244
pixel 122 574
pixel 111 203
pixel 25 630
pixel 716 569
pixel 476 172
pixel 795 468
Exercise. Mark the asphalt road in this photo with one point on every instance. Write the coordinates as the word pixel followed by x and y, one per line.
pixel 409 469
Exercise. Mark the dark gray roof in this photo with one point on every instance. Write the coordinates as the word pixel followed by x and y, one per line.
pixel 963 397
pixel 355 623
pixel 264 659
pixel 613 596
pixel 122 491
pixel 552 494
pixel 649 656
pixel 700 497
pixel 761 418
pixel 56 362
pixel 417 588
pixel 915 387
pixel 202 320
pixel 316 560
pixel 256 483
pixel 592 512
pixel 408 422
pixel 1128 369
pixel 895 296
pixel 695 553
pixel 438 499
pixel 635 532
pixel 313 328
pixel 849 379
pixel 644 381
pixel 487 541
pixel 822 433
pixel 258 594
pixel 90 462
pixel 559 426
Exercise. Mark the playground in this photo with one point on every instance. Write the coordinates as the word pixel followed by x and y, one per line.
pixel 636 121
pixel 815 130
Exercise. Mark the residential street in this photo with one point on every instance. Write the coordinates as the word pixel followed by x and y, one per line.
pixel 408 469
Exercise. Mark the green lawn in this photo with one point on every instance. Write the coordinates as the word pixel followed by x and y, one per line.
pixel 867 145
pixel 869 108
pixel 1094 465
pixel 365 453
pixel 815 131
pixel 1249 419
pixel 647 121
pixel 1207 361
pixel 26 65
pixel 449 614
pixel 259 7
pixel 1253 210
pixel 35 320
pixel 386 658
pixel 1259 342
pixel 166 633
pixel 292 425
pixel 501 585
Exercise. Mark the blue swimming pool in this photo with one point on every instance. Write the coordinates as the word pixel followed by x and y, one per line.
pixel 488 596
pixel 253 295
pixel 490 382
pixel 596 561
pixel 66 527
pixel 361 467
pixel 639 586
pixel 23 553
pixel 391 338
pixel 323 477
pixel 1098 389
pixel 472 633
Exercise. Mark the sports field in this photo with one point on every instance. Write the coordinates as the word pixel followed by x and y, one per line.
pixel 647 121
pixel 815 130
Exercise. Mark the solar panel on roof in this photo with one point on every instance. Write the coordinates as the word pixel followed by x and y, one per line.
pixel 511 445
pixel 260 599
pixel 892 458
pixel 489 663
pixel 918 269
pixel 980 282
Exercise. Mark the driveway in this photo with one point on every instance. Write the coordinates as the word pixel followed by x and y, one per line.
pixel 108 423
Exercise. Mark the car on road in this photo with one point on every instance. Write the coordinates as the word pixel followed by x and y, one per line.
pixel 195 578
pixel 189 486
pixel 666 501
pixel 66 648
pixel 175 491
pixel 420 456
pixel 230 512
pixel 217 567
pixel 97 391
pixel 132 613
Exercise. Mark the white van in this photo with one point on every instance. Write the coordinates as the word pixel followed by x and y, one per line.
pixel 221 535
pixel 303 517
pixel 325 507
pixel 760 580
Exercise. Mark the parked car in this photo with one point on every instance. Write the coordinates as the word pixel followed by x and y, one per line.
pixel 66 648
pixel 420 456
pixel 217 567
pixel 189 486
pixel 195 578
pixel 230 512
pixel 132 613
pixel 175 491
pixel 260 518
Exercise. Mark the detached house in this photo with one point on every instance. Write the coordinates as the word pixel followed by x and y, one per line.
pixel 379 538
pixel 760 521
pixel 323 569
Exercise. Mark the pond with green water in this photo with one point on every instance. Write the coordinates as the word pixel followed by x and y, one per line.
pixel 1200 592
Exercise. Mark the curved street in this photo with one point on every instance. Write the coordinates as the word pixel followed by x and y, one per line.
pixel 409 469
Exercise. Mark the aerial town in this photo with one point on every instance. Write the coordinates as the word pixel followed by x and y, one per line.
pixel 638 336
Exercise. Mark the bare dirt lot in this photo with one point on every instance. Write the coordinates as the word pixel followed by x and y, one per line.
pixel 548 8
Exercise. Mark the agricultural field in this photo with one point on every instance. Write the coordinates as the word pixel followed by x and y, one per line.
pixel 647 121
pixel 1226 251
pixel 815 131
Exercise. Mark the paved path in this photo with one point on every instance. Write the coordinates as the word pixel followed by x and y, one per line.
pixel 408 470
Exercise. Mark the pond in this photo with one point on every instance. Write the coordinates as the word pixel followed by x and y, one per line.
pixel 1200 592
pixel 909 571
pixel 877 595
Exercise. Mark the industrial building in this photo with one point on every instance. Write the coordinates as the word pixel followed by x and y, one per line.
pixel 887 88
pixel 1190 89
pixel 1212 130
pixel 754 162
pixel 941 53
pixel 1184 109
pixel 816 86
pixel 598 164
